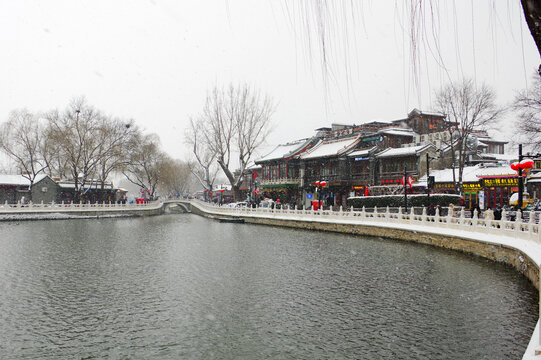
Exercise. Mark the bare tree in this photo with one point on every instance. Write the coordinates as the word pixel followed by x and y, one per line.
pixel 468 109
pixel 528 105
pixel 76 133
pixel 21 139
pixel 145 162
pixel 175 177
pixel 53 152
pixel 205 167
pixel 235 122
pixel 114 136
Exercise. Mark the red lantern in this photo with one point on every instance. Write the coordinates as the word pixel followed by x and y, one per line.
pixel 323 183
pixel 317 183
pixel 526 164
pixel 514 166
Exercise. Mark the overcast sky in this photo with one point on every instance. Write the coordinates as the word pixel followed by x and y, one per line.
pixel 154 60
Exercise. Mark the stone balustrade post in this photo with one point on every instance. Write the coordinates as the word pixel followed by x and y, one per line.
pixel 423 216
pixel 375 213
pixel 450 216
pixel 503 220
pixel 518 221
pixel 341 210
pixel 387 213
pixel 400 215
pixel 412 215
pixel 475 218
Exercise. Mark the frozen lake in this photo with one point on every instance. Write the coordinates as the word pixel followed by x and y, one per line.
pixel 182 286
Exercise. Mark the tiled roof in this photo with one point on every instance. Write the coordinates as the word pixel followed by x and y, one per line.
pixel 330 148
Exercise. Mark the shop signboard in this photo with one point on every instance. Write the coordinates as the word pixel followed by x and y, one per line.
pixel 471 186
pixel 509 181
pixel 449 185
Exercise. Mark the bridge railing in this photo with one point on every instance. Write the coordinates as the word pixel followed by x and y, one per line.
pixel 50 207
pixel 458 220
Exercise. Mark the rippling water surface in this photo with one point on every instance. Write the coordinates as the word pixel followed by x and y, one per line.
pixel 184 287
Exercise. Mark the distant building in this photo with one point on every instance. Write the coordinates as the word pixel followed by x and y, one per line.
pixel 15 188
pixel 369 159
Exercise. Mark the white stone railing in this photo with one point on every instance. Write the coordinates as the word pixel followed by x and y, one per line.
pixel 518 228
pixel 59 207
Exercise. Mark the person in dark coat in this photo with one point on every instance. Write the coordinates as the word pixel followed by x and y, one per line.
pixel 498 213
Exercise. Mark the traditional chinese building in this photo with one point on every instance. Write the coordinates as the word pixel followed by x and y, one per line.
pixel 15 188
pixel 328 161
pixel 281 173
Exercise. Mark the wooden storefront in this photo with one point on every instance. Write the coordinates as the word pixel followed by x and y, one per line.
pixel 497 191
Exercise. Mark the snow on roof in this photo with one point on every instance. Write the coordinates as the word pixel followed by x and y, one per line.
pixel 361 153
pixel 487 140
pixel 88 185
pixel 405 151
pixel 327 148
pixel 469 174
pixel 446 175
pixel 495 171
pixel 19 180
pixel 502 157
pixel 420 112
pixel 283 150
pixel 397 131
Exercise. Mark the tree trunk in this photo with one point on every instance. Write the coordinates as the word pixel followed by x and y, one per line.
pixel 532 15
pixel 236 193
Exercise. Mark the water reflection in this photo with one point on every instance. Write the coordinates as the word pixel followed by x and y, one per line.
pixel 181 286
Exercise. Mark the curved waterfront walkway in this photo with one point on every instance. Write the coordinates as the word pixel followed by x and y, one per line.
pixel 515 243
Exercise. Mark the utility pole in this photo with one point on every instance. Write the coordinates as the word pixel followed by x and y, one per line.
pixel 405 191
pixel 520 181
pixel 427 180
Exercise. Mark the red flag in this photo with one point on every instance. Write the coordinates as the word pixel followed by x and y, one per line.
pixel 366 191
pixel 410 181
pixel 255 176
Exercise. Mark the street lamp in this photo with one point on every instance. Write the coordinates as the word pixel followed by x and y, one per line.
pixel 429 180
pixel 319 189
pixel 221 195
pixel 405 190
pixel 522 164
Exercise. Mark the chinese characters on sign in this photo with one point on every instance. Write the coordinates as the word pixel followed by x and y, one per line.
pixel 472 186
pixel 444 186
pixel 500 182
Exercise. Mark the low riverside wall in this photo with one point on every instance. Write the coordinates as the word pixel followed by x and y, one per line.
pixel 12 211
pixel 515 243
